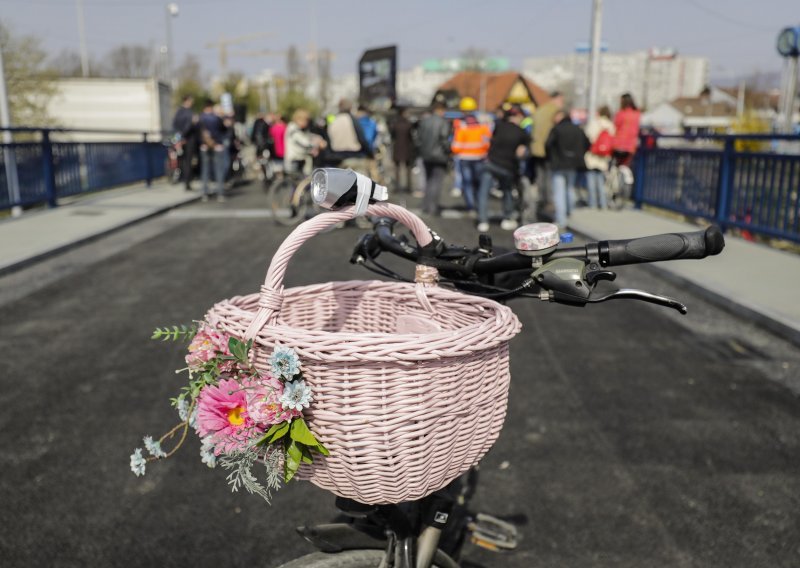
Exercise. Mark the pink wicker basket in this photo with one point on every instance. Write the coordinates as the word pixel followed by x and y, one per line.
pixel 402 414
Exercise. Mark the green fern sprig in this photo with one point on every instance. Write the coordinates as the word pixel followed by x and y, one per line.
pixel 175 333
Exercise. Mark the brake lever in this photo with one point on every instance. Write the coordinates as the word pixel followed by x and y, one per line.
pixel 631 294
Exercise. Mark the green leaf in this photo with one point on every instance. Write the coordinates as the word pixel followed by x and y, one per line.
pixel 294 456
pixel 274 434
pixel 321 449
pixel 239 349
pixel 301 433
pixel 306 457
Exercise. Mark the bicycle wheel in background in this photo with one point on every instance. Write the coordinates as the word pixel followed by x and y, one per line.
pixel 614 188
pixel 349 559
pixel 288 201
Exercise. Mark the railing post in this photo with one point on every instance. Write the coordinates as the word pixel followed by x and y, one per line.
pixel 726 166
pixel 48 169
pixel 641 168
pixel 148 167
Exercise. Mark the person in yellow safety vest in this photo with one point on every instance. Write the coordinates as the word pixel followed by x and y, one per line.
pixel 470 146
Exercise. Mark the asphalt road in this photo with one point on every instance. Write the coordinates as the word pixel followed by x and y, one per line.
pixel 635 437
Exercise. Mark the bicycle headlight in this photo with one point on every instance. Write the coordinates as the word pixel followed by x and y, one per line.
pixel 333 188
pixel 319 186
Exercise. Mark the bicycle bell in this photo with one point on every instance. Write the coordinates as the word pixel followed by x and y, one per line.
pixel 536 239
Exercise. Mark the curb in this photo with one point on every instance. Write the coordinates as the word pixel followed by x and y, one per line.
pixel 737 308
pixel 59 249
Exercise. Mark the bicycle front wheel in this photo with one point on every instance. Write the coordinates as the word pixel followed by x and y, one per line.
pixel 288 202
pixel 346 559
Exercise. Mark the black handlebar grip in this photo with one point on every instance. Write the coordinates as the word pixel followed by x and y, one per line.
pixel 671 246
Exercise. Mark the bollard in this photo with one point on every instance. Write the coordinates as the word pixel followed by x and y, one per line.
pixel 148 167
pixel 726 165
pixel 48 170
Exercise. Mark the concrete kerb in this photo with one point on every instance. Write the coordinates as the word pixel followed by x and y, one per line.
pixel 60 248
pixel 739 307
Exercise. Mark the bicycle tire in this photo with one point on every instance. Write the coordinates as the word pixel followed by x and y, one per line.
pixel 614 188
pixel 285 211
pixel 346 559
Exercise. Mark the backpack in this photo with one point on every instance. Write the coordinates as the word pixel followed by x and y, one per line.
pixel 602 145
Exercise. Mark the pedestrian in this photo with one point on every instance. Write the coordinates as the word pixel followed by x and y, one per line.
pixel 277 131
pixel 260 135
pixel 434 148
pixel 368 126
pixel 347 141
pixel 626 136
pixel 185 125
pixel 213 150
pixel 542 124
pixel 509 144
pixel 470 145
pixel 402 133
pixel 566 145
pixel 302 146
pixel 600 131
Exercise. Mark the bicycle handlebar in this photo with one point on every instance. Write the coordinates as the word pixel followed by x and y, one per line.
pixel 671 246
pixel 567 275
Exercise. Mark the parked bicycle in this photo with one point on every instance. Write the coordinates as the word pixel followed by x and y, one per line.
pixel 431 531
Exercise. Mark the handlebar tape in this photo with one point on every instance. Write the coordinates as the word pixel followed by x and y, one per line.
pixel 671 246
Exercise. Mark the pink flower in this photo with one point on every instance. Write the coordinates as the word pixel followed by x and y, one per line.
pixel 207 344
pixel 222 414
pixel 263 404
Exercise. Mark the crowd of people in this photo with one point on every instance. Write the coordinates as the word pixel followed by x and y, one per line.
pixel 544 146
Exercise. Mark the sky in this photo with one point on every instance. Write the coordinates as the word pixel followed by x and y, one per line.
pixel 738 36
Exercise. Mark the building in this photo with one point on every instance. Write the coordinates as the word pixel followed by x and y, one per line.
pixel 491 90
pixel 652 77
pixel 137 105
pixel 415 86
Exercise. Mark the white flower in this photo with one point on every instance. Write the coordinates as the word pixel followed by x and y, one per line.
pixel 154 447
pixel 193 418
pixel 138 462
pixel 183 409
pixel 284 363
pixel 207 452
pixel 296 396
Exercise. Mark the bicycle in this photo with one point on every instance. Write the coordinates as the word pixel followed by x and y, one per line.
pixel 290 200
pixel 430 532
pixel 619 181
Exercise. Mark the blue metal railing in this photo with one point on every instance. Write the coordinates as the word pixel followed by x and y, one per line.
pixel 48 169
pixel 757 190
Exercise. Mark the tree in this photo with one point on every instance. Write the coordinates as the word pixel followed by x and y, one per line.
pixel 190 82
pixel 290 101
pixel 29 83
pixel 67 63
pixel 129 61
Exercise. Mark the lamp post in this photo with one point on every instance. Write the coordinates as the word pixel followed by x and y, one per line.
pixel 172 12
pixel 789 47
pixel 9 155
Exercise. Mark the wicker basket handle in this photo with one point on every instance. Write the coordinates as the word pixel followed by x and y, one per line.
pixel 271 295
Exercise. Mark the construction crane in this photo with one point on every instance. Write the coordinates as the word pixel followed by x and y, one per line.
pixel 224 43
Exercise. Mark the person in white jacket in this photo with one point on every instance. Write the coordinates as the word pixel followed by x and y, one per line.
pixel 600 131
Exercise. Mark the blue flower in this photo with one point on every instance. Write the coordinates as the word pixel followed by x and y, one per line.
pixel 138 462
pixel 154 447
pixel 296 396
pixel 284 363
pixel 207 452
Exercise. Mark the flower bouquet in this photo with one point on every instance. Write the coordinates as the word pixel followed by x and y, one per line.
pixel 242 416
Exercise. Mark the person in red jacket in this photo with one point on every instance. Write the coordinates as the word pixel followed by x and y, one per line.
pixel 626 135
